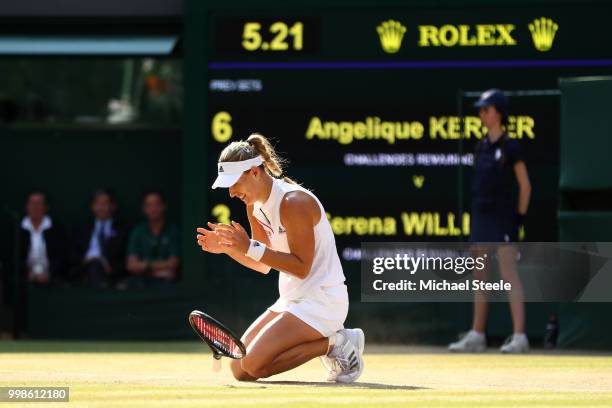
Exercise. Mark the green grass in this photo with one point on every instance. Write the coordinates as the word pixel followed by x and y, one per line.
pixel 178 374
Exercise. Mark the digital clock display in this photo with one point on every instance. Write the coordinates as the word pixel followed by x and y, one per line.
pixel 265 35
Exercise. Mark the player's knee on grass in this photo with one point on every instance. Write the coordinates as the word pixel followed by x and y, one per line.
pixel 254 367
pixel 239 373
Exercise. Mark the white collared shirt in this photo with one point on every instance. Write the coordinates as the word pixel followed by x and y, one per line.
pixel 38 261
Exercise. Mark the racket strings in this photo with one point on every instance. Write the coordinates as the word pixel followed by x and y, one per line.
pixel 218 337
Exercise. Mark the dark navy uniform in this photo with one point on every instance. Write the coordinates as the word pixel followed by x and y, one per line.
pixel 494 191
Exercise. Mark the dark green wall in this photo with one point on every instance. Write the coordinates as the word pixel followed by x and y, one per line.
pixel 70 163
pixel 585 186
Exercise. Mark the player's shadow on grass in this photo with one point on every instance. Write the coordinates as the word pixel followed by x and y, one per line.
pixel 371 386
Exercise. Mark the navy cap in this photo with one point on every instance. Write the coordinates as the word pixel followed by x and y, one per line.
pixel 493 97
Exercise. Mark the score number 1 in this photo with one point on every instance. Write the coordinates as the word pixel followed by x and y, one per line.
pixel 252 38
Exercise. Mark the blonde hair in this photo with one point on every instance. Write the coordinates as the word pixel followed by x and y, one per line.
pixel 256 145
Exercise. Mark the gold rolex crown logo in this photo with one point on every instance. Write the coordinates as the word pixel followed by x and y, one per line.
pixel 543 33
pixel 391 33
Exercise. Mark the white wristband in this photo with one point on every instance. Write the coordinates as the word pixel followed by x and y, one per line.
pixel 256 250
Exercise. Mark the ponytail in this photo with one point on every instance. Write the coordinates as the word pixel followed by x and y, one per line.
pixel 274 164
pixel 272 161
pixel 257 145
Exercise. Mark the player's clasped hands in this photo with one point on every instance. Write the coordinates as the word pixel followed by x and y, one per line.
pixel 223 238
pixel 209 240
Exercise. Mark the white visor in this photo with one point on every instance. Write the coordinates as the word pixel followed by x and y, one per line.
pixel 228 173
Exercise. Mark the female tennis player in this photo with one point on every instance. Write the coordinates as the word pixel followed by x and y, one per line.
pixel 290 233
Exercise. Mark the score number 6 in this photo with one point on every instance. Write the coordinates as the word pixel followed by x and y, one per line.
pixel 221 127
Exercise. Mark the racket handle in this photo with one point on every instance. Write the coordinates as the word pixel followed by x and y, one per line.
pixel 216 363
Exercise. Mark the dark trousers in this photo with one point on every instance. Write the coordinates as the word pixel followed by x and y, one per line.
pixel 93 274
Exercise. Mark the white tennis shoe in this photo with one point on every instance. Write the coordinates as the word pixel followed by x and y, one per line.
pixel 472 342
pixel 516 344
pixel 345 362
pixel 330 367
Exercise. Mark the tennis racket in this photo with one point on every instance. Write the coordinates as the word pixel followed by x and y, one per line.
pixel 219 338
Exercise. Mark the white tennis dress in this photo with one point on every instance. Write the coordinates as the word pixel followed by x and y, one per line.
pixel 321 299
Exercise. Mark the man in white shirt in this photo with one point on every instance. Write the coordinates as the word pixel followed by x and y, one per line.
pixel 43 243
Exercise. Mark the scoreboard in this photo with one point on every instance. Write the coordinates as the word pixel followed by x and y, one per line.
pixel 366 102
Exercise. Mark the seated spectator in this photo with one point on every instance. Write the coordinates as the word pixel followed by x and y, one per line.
pixel 153 250
pixel 99 247
pixel 43 243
